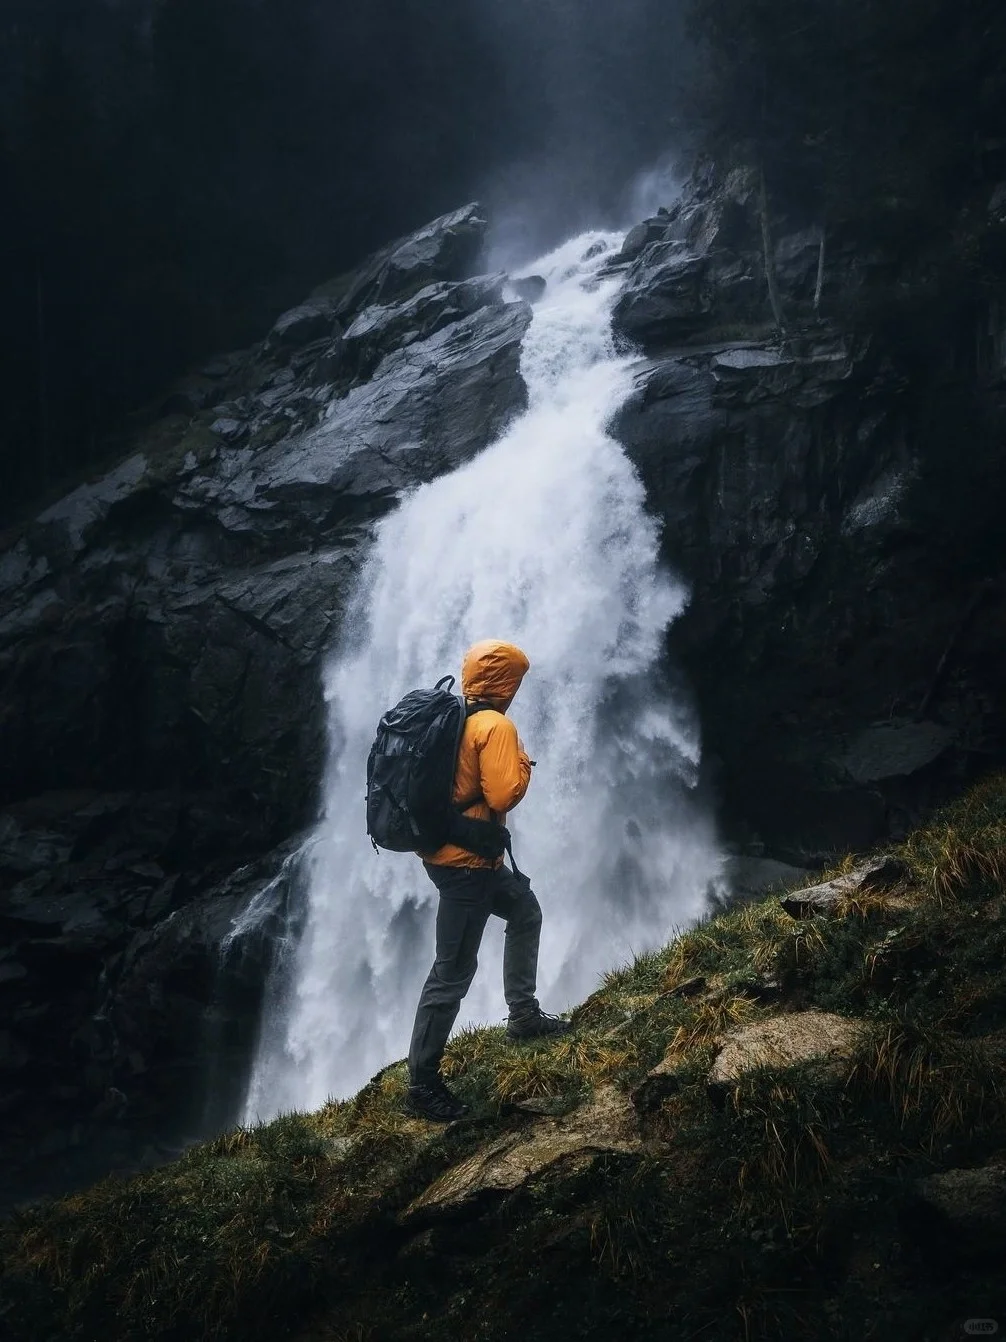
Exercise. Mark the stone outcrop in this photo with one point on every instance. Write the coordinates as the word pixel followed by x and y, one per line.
pixel 446 249
pixel 310 321
pixel 606 1123
pixel 121 995
pixel 531 287
pixel 828 896
pixel 162 624
pixel 787 1040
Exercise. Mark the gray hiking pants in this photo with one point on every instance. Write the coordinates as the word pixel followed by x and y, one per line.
pixel 468 895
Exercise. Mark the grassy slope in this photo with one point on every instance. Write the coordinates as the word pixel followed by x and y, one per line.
pixel 785 1211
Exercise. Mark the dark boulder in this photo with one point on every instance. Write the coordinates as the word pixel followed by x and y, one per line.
pixel 783 475
pixel 229 429
pixel 665 298
pixel 529 287
pixel 189 396
pixel 309 321
pixel 650 230
pixel 699 274
pixel 446 249
pixel 381 328
pixel 844 676
pixel 673 296
pixel 134 1010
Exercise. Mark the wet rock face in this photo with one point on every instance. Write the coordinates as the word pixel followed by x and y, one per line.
pixel 161 631
pixel 162 625
pixel 845 678
pixel 303 324
pixel 116 999
pixel 446 249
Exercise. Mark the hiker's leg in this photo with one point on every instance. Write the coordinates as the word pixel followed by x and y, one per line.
pixel 514 900
pixel 462 914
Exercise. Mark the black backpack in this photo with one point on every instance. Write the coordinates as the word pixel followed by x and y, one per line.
pixel 410 778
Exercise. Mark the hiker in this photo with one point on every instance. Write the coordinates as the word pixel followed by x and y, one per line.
pixel 492 775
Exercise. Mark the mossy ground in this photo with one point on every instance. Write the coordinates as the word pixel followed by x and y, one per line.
pixel 781 1211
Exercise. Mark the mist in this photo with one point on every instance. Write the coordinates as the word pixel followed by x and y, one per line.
pixel 599 98
pixel 181 172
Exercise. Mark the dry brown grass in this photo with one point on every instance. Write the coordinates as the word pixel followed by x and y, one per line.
pixel 932 1080
pixel 695 950
pixel 756 939
pixel 529 1076
pixel 711 1018
pixel 473 1048
pixel 965 846
pixel 377 1109
pixel 595 1059
pixel 232 1234
pixel 569 1065
pixel 878 904
pixel 793 1151
pixel 601 1007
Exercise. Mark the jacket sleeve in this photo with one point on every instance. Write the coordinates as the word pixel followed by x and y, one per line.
pixel 504 768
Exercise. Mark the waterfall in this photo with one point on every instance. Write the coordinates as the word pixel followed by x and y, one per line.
pixel 542 540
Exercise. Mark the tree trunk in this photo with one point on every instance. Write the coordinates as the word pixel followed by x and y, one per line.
pixel 766 239
pixel 820 274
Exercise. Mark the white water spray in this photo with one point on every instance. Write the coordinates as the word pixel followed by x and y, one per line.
pixel 542 540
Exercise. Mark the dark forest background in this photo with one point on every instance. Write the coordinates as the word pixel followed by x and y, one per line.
pixel 176 172
pixel 173 173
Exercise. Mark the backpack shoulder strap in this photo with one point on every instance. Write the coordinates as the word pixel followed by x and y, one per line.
pixel 477 707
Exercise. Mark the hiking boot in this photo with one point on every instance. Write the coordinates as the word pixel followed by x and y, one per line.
pixel 435 1102
pixel 536 1024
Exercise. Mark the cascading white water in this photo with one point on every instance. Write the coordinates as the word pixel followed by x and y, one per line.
pixel 542 540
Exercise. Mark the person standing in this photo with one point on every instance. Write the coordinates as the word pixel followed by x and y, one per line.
pixel 492 775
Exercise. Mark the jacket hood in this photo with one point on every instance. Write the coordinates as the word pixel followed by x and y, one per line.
pixel 493 671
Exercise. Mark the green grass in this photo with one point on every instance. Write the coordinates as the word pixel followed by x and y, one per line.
pixel 774 1211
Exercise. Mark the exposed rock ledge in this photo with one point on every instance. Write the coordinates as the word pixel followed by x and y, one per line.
pixel 607 1122
pixel 784 1041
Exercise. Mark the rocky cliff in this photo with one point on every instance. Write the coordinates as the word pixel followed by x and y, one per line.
pixel 161 737
pixel 831 488
pixel 162 721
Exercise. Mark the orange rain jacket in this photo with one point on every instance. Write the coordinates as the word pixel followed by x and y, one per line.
pixel 493 771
